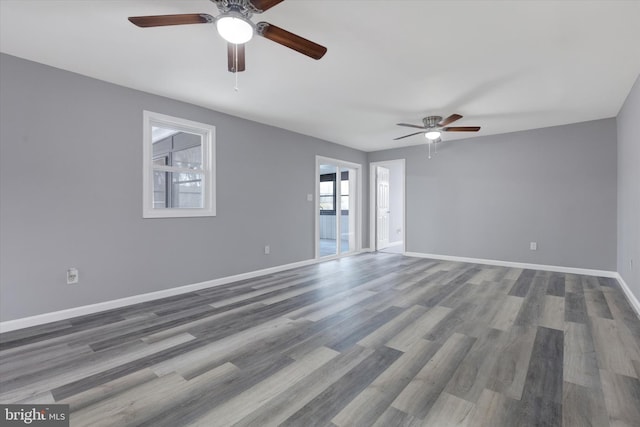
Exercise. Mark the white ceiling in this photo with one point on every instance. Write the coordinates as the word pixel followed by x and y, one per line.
pixel 504 65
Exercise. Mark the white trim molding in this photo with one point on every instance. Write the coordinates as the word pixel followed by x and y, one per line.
pixel 633 300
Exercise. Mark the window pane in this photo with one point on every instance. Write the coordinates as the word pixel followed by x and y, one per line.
pixel 326 188
pixel 162 140
pixel 161 161
pixel 344 203
pixel 326 195
pixel 344 187
pixel 189 158
pixel 186 190
pixel 159 189
pixel 326 203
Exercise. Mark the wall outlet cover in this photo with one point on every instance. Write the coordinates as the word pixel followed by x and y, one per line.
pixel 72 276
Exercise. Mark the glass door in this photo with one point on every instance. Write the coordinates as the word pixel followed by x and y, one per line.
pixel 337 228
pixel 347 210
pixel 327 216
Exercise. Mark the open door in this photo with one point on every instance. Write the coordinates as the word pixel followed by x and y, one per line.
pixel 339 207
pixel 382 207
pixel 387 206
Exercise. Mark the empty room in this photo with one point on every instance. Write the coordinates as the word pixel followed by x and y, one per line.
pixel 320 213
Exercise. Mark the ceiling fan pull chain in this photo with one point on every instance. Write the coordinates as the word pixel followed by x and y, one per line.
pixel 429 145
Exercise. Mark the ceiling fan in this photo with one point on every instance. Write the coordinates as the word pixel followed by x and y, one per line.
pixel 434 126
pixel 235 26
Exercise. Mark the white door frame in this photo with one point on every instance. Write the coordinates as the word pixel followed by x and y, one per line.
pixel 358 216
pixel 373 205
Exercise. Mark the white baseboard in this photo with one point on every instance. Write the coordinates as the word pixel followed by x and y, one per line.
pixel 633 300
pixel 559 269
pixel 25 322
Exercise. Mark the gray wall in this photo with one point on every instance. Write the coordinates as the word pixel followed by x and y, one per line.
pixel 629 190
pixel 71 194
pixel 488 197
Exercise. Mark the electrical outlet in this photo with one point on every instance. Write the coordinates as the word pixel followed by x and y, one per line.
pixel 309 197
pixel 533 246
pixel 267 250
pixel 631 264
pixel 72 276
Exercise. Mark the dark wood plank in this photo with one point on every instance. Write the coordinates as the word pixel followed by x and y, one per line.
pixel 575 308
pixel 556 285
pixel 533 305
pixel 545 373
pixel 522 285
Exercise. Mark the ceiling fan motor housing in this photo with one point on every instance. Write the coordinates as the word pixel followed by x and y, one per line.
pixel 431 121
pixel 243 7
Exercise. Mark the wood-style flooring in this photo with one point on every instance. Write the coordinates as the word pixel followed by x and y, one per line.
pixel 369 340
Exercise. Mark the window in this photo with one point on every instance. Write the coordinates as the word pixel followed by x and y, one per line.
pixel 344 193
pixel 328 193
pixel 179 167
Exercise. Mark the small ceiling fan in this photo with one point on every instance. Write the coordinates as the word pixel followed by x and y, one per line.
pixel 235 26
pixel 434 126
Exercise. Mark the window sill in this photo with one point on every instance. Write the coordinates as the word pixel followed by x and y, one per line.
pixel 178 213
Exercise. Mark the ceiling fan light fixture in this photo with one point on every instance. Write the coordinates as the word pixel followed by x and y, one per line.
pixel 432 135
pixel 234 28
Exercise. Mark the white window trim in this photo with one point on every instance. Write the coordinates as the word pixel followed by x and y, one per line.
pixel 208 133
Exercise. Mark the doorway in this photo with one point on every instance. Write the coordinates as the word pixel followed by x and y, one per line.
pixel 338 207
pixel 387 206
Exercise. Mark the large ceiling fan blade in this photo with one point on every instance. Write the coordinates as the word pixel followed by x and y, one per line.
pixel 235 55
pixel 290 40
pixel 407 136
pixel 452 118
pixel 410 126
pixel 162 20
pixel 263 5
pixel 461 129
